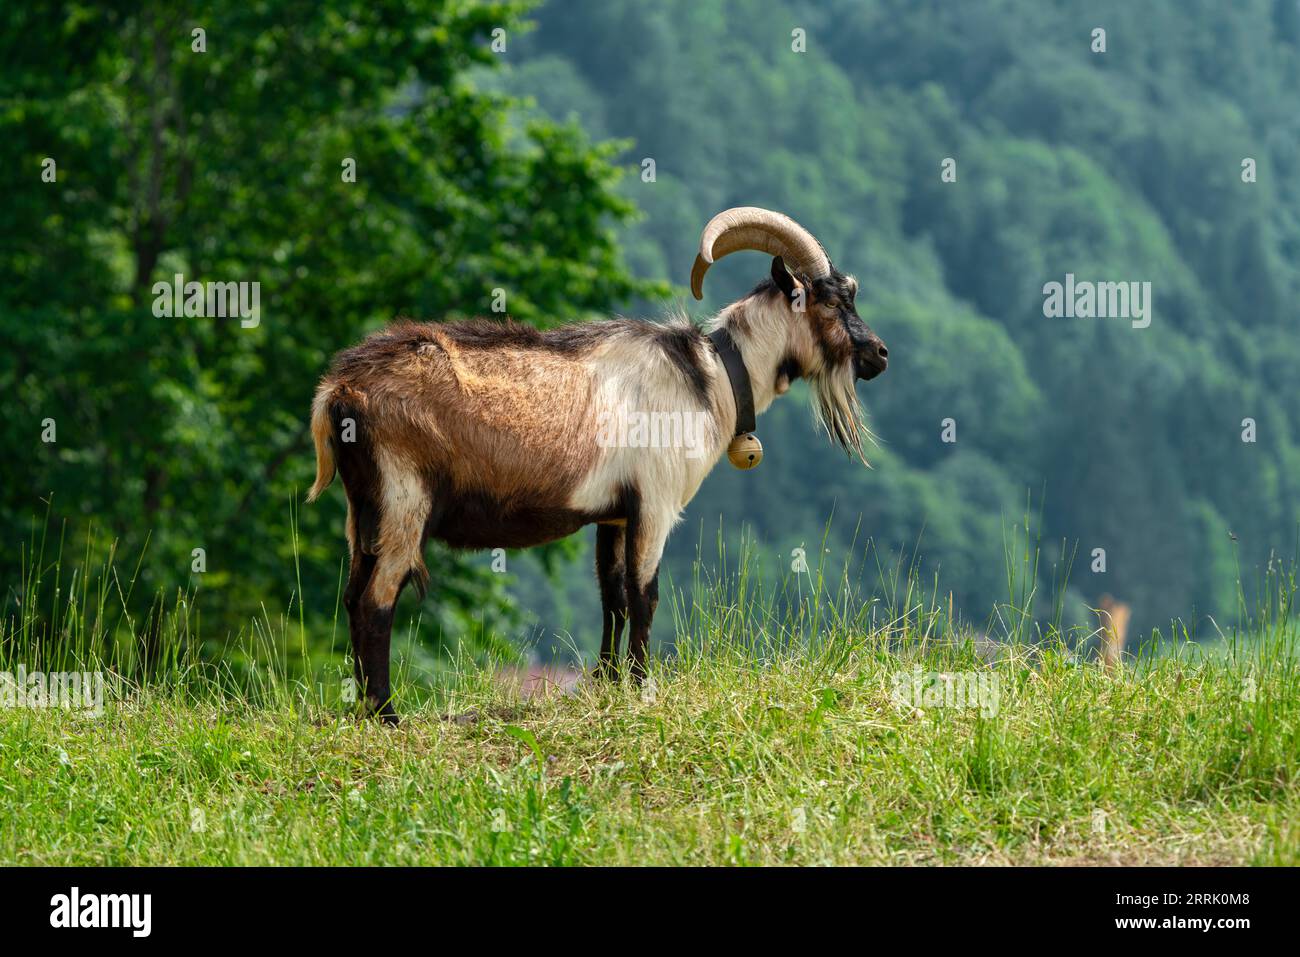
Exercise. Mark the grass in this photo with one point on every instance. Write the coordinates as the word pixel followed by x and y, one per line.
pixel 778 733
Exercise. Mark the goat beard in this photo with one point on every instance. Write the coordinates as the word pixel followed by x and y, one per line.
pixel 836 407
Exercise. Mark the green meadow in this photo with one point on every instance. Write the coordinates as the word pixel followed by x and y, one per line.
pixel 799 721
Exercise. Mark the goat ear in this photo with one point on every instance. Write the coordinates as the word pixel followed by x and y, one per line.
pixel 783 278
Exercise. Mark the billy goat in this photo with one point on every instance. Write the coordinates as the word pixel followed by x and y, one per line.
pixel 484 434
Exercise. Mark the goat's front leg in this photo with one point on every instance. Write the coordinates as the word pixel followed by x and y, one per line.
pixel 646 534
pixel 611 575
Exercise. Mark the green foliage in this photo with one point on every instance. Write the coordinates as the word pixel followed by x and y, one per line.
pixel 227 165
pixel 1117 166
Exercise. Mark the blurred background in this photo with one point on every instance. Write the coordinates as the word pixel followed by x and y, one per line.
pixel 522 168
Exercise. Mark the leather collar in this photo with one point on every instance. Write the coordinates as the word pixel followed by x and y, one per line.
pixel 739 376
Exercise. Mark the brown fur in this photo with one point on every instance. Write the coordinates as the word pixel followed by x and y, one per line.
pixel 506 421
pixel 474 433
pixel 828 301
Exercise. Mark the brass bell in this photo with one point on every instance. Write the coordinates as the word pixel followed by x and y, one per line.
pixel 745 451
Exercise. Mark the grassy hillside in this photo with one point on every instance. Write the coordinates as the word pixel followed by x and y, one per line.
pixel 766 740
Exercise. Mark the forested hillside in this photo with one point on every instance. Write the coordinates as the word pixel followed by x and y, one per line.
pixel 957 157
pixel 1119 166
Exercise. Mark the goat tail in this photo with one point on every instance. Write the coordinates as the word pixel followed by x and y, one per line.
pixel 321 434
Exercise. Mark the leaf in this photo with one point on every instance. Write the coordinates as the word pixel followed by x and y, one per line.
pixel 529 739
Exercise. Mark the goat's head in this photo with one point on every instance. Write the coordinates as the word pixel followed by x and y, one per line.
pixel 828 342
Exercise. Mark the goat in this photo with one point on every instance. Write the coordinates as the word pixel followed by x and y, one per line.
pixel 484 434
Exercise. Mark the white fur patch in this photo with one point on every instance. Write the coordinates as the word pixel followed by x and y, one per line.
pixel 404 508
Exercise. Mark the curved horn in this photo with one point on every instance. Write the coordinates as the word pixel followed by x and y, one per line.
pixel 749 227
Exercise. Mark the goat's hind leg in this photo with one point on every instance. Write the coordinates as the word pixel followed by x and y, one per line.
pixel 404 512
pixel 377 630
pixel 359 574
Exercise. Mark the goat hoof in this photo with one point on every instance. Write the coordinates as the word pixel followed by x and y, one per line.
pixel 384 712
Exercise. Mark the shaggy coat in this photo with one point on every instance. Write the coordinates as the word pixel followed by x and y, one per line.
pixel 486 434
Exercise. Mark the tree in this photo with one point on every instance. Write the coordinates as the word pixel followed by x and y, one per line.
pixel 337 155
